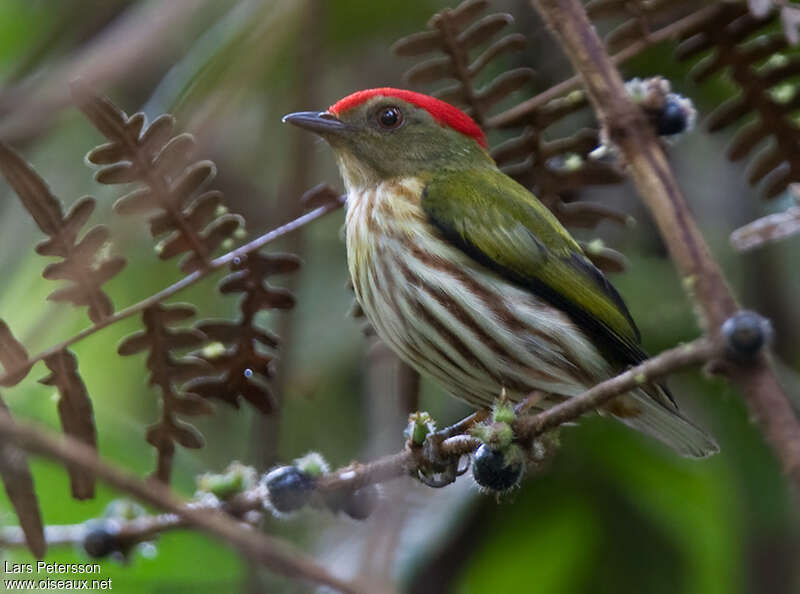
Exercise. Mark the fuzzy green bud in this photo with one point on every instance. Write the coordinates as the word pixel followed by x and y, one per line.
pixel 595 246
pixel 213 350
pixel 503 412
pixel 573 162
pixel 497 435
pixel 236 479
pixel 312 464
pixel 420 425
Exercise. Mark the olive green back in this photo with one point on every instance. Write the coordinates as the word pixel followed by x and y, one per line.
pixel 506 228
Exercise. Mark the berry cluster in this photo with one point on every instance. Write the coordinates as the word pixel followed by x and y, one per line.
pixel 290 488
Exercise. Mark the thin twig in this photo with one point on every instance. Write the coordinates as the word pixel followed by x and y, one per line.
pixel 349 478
pixel 127 533
pixel 396 465
pixel 668 33
pixel 693 353
pixel 261 548
pixel 185 282
pixel 703 280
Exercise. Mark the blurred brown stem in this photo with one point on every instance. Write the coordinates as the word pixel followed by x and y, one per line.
pixel 703 280
pixel 261 548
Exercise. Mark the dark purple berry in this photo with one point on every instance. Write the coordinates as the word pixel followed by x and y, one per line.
pixel 289 488
pixel 99 542
pixel 746 333
pixel 362 502
pixel 672 119
pixel 491 472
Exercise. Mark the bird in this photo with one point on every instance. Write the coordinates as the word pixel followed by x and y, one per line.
pixel 468 277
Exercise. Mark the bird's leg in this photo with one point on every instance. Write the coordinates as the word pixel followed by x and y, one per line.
pixel 436 469
pixel 463 426
pixel 433 468
pixel 531 401
pixel 543 447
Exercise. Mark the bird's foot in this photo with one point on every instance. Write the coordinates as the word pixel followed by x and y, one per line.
pixel 435 469
pixel 432 467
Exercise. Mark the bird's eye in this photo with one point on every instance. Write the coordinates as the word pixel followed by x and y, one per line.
pixel 390 117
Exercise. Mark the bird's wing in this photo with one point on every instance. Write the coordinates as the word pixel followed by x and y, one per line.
pixel 503 226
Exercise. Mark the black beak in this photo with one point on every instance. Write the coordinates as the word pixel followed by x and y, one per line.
pixel 320 122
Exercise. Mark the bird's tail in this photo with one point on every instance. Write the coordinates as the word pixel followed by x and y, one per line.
pixel 660 418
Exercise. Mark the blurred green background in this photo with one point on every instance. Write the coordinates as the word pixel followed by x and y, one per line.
pixel 614 513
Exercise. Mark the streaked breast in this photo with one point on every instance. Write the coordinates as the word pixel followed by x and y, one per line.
pixel 447 315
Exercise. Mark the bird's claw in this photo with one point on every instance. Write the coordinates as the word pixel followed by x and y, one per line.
pixel 437 480
pixel 441 477
pixel 434 469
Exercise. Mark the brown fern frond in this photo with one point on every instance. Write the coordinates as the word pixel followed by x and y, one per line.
pixel 321 195
pixel 74 407
pixel 755 57
pixel 12 356
pixel 459 34
pixel 553 169
pixel 14 471
pixel 753 53
pixel 241 351
pixel 556 169
pixel 168 184
pixel 641 19
pixel 605 258
pixel 75 412
pixel 82 263
pixel 168 372
pixel 18 483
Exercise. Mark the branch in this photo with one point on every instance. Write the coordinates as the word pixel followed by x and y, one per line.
pixel 258 547
pixel 350 478
pixel 187 281
pixel 128 533
pixel 656 184
pixel 528 427
pixel 668 33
